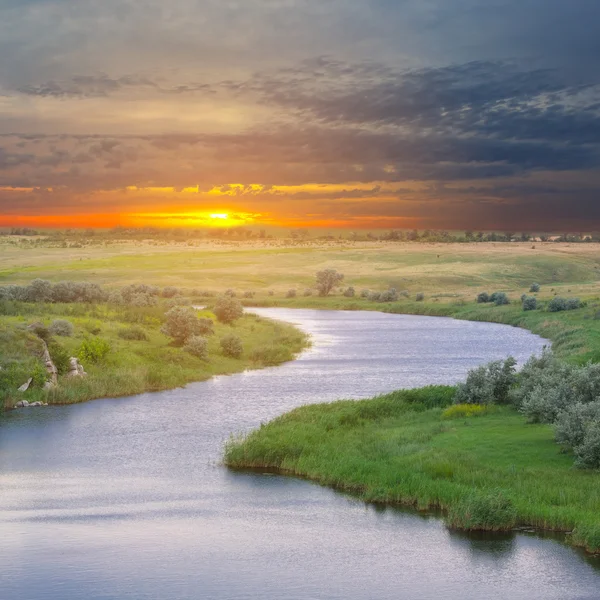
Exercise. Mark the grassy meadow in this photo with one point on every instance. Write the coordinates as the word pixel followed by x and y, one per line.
pixel 149 363
pixel 490 471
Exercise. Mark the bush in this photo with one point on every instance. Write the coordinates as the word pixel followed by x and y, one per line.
pixel 558 304
pixel 535 288
pixel 350 292
pixel 197 346
pixel 134 333
pixel 205 327
pixel 588 452
pixel 230 293
pixel 232 346
pixel 227 309
pixel 181 323
pixel 308 292
pixel 483 298
pixel 390 295
pixel 291 294
pixel 572 423
pixel 365 293
pixel 271 293
pixel 40 330
pixel 61 327
pixel 93 350
pixel 249 294
pixel 327 280
pixel 375 296
pixel 529 303
pixel 170 292
pixel 478 512
pixel 60 357
pixel 488 384
pixel 420 297
pixel 499 298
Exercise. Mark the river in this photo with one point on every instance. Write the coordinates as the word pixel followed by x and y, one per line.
pixel 124 499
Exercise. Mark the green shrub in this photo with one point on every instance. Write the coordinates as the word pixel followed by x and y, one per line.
pixel 61 327
pixel 170 292
pixel 291 294
pixel 365 293
pixel 308 292
pixel 249 294
pixel 93 350
pixel 499 298
pixel 488 384
pixel 529 303
pixel 270 355
pixel 558 304
pixel 483 512
pixel 350 292
pixel 197 346
pixel 420 297
pixel 483 298
pixel 134 333
pixel 60 357
pixel 232 346
pixel 228 309
pixel 40 330
pixel 181 323
pixel 535 288
pixel 588 452
pixel 573 422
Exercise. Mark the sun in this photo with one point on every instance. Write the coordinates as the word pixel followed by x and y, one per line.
pixel 222 216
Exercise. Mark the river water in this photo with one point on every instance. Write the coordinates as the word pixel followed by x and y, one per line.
pixel 125 498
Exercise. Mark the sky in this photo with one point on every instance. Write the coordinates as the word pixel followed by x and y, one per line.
pixel 361 114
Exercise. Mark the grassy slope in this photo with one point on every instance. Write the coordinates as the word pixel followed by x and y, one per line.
pixel 397 449
pixel 132 366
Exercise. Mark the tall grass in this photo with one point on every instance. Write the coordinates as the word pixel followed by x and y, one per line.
pixel 491 472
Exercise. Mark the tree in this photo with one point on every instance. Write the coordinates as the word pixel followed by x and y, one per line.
pixel 327 280
pixel 181 323
pixel 197 346
pixel 228 309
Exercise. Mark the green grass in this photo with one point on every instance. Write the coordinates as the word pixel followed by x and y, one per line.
pixel 132 366
pixel 491 472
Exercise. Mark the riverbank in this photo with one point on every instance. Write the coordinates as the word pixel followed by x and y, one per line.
pixel 139 357
pixel 491 471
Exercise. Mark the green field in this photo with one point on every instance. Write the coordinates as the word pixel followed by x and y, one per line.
pixel 399 449
pixel 131 366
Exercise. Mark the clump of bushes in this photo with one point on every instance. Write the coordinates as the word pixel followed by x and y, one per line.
pixel 249 294
pixel 232 346
pixel 93 350
pixel 535 288
pixel 420 297
pixel 558 304
pixel 60 357
pixel 61 327
pixel 529 303
pixel 197 346
pixel 181 323
pixel 488 384
pixel 228 310
pixel 291 294
pixel 134 333
pixel 498 298
pixel 365 293
pixel 545 391
pixel 308 292
pixel 350 292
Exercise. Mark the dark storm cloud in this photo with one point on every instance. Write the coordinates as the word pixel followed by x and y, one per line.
pixel 476 100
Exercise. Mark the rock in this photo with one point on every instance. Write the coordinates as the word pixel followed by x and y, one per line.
pixel 35 404
pixel 22 404
pixel 75 368
pixel 26 385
